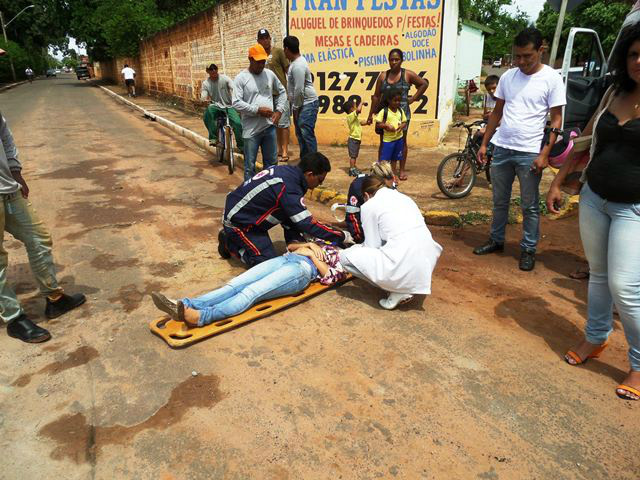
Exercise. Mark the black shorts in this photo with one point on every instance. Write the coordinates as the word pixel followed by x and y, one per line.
pixel 130 82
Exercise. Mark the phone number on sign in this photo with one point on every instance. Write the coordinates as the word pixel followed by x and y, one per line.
pixel 343 81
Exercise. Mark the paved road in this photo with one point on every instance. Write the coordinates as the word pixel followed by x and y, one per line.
pixel 468 383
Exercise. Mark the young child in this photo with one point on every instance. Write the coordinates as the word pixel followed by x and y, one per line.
pixel 392 120
pixel 490 85
pixel 355 134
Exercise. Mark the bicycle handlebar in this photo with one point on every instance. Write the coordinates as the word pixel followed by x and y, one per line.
pixel 477 123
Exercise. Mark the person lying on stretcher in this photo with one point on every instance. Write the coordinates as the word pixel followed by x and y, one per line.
pixel 286 275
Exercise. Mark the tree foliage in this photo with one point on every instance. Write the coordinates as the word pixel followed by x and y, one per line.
pixel 492 14
pixel 603 16
pixel 113 28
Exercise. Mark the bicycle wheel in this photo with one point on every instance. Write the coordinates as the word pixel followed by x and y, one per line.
pixel 220 148
pixel 456 175
pixel 228 149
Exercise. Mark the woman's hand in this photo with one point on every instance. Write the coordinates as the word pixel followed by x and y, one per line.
pixel 317 251
pixel 555 199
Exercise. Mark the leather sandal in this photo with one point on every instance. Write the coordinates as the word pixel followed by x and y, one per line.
pixel 627 390
pixel 576 358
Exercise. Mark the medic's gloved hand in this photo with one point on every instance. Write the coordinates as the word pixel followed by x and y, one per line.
pixel 348 239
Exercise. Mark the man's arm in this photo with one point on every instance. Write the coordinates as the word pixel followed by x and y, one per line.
pixel 302 221
pixel 494 121
pixel 297 78
pixel 11 152
pixel 281 99
pixel 420 83
pixel 204 92
pixel 542 161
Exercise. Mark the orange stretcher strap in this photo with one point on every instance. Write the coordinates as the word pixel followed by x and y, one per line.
pixel 178 334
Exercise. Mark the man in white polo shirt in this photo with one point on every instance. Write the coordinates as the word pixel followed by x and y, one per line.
pixel 525 96
pixel 129 75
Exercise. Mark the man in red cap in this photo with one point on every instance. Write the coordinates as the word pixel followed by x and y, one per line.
pixel 254 97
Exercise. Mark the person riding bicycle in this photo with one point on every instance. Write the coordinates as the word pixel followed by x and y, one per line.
pixel 29 73
pixel 217 89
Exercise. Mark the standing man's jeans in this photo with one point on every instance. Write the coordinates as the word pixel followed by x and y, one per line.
pixel 210 119
pixel 278 277
pixel 305 124
pixel 267 142
pixel 20 220
pixel 505 166
pixel 610 235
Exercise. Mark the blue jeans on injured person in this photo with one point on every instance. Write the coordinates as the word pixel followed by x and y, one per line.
pixel 610 235
pixel 267 143
pixel 305 124
pixel 276 277
pixel 506 165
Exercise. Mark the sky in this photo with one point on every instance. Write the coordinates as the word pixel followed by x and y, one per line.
pixel 72 44
pixel 530 7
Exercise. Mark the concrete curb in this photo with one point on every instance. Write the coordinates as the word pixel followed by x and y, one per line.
pixel 190 135
pixel 12 85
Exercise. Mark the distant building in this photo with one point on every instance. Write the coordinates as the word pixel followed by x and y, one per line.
pixel 470 49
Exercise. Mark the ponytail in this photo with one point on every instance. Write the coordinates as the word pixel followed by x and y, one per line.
pixel 382 170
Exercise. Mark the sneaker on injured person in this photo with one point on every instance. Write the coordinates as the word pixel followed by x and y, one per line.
pixel 394 299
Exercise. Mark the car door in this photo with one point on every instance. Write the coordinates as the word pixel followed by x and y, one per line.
pixel 584 71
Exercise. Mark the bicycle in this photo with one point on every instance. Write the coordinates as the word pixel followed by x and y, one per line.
pixel 457 172
pixel 226 142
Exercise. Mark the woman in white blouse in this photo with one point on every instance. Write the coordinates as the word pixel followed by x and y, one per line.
pixel 398 253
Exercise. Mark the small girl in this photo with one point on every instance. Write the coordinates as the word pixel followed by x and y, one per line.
pixel 392 120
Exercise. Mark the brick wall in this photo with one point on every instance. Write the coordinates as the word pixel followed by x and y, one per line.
pixel 173 62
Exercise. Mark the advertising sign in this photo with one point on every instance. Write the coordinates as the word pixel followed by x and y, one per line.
pixel 346 43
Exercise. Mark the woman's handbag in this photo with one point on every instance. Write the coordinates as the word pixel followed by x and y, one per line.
pixel 581 150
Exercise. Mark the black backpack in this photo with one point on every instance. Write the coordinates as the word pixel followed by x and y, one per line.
pixel 379 130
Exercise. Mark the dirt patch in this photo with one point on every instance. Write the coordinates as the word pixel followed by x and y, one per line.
pixel 81 442
pixel 165 269
pixel 80 356
pixel 108 262
pixel 130 297
pixel 188 235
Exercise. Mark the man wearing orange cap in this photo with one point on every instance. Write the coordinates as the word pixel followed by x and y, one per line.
pixel 254 92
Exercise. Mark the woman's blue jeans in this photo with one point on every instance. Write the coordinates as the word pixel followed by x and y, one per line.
pixel 305 126
pixel 505 166
pixel 611 238
pixel 273 278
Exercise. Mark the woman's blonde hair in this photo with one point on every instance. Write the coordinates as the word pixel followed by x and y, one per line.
pixel 381 170
pixel 372 184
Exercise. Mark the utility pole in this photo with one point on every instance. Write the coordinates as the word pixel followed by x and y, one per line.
pixel 558 34
pixel 4 33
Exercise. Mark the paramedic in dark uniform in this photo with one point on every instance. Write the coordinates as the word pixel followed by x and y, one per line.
pixel 274 196
pixel 355 199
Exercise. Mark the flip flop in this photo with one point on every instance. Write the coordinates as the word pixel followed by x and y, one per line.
pixel 285 159
pixel 403 177
pixel 280 157
pixel 576 358
pixel 627 390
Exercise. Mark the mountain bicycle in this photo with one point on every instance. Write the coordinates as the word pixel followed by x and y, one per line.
pixel 457 173
pixel 226 142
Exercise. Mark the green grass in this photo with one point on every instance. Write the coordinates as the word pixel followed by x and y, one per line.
pixel 474 218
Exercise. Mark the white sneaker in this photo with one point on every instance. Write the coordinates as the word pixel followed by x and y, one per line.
pixel 395 299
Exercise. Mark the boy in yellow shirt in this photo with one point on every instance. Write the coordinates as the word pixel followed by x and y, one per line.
pixel 392 120
pixel 355 134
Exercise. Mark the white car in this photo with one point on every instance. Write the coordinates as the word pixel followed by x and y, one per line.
pixel 497 64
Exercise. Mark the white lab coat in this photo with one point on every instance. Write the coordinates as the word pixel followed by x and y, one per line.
pixel 398 254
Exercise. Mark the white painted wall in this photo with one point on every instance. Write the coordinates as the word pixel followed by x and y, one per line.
pixel 469 53
pixel 448 84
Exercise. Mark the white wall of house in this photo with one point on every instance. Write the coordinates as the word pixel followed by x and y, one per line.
pixel 448 83
pixel 469 53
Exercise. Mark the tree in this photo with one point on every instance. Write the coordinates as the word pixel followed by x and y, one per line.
pixel 491 13
pixel 603 16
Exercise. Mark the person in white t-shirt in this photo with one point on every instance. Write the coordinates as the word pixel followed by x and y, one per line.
pixel 129 75
pixel 29 73
pixel 525 96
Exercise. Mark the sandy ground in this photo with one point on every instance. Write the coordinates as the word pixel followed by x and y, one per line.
pixel 466 383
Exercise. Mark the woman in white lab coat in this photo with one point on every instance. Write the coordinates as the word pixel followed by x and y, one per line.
pixel 398 253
